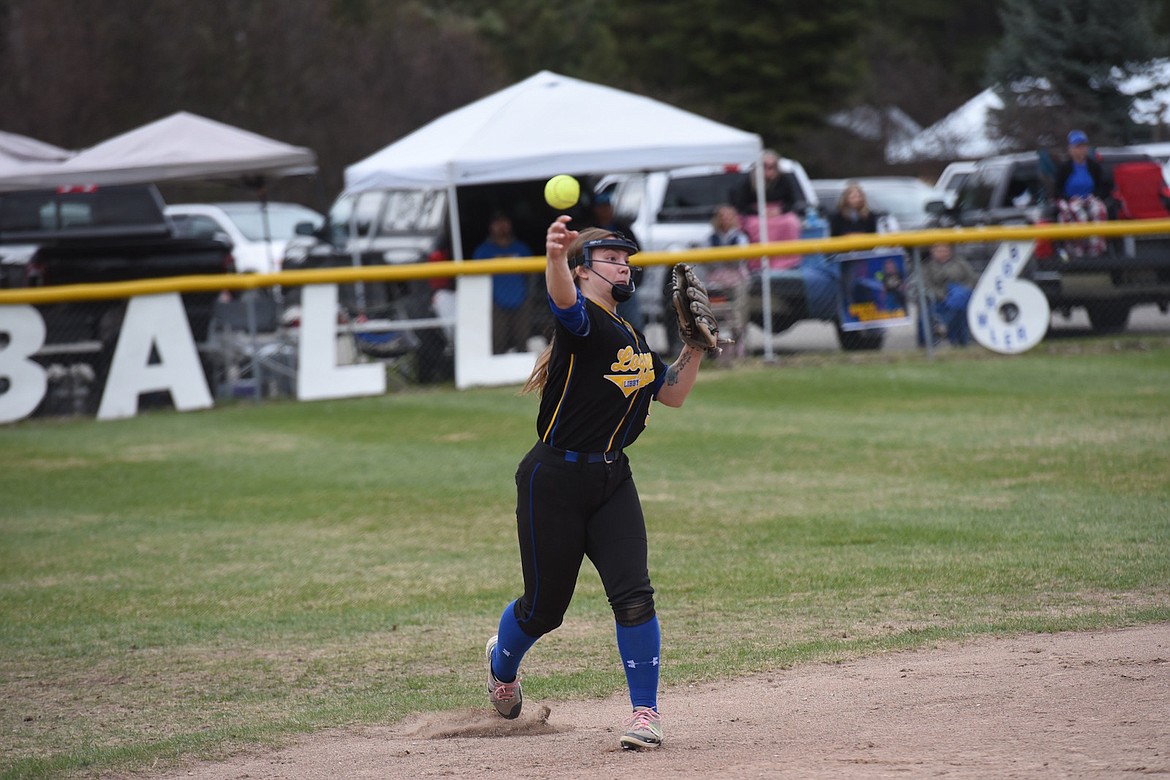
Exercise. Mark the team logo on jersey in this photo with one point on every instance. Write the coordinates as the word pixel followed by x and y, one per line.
pixel 636 370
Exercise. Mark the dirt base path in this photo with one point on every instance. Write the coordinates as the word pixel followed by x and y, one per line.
pixel 1092 705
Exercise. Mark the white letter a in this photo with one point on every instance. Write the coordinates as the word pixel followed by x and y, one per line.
pixel 158 322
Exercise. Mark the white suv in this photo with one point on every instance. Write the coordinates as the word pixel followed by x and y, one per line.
pixel 671 210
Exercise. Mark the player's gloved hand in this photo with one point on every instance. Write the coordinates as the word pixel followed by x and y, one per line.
pixel 696 323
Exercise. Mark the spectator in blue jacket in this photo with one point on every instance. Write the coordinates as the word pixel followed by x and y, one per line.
pixel 511 293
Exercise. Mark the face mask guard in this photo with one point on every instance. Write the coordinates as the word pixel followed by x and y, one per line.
pixel 621 292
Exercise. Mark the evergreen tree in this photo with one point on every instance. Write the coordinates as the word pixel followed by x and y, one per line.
pixel 1060 65
pixel 775 67
pixel 570 37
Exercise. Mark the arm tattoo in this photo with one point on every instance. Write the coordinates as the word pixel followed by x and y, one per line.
pixel 672 373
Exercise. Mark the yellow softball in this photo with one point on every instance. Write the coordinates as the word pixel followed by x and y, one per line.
pixel 562 191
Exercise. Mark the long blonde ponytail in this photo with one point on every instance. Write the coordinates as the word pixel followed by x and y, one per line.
pixel 539 376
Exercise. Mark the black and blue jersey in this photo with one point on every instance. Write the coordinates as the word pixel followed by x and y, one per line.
pixel 602 377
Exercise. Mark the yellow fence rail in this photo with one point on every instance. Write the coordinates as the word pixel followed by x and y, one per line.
pixel 448 269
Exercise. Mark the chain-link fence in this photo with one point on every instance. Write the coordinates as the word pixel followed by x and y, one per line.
pixel 248 339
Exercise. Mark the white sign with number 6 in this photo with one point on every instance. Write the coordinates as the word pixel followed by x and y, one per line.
pixel 1008 314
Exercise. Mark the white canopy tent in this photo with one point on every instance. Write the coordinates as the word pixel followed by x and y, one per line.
pixel 182 146
pixel 20 154
pixel 21 148
pixel 545 125
pixel 550 124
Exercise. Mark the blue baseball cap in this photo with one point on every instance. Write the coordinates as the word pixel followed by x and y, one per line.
pixel 1077 137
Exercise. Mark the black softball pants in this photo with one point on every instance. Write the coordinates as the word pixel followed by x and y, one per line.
pixel 567 511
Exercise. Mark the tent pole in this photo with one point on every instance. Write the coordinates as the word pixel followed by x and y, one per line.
pixel 765 262
pixel 263 192
pixel 261 186
pixel 356 258
pixel 453 213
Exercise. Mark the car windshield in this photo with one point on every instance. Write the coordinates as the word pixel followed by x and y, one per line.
pixel 956 181
pixel 275 221
pixel 414 211
pixel 78 208
pixel 695 197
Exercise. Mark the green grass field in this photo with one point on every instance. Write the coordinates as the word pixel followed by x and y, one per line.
pixel 176 586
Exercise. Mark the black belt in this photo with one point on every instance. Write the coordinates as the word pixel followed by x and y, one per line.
pixel 572 456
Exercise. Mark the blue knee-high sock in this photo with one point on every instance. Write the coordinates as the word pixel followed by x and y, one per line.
pixel 639 647
pixel 513 644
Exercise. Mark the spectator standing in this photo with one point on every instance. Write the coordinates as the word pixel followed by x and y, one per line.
pixel 511 319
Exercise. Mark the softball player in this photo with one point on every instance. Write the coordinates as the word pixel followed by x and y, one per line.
pixel 575 493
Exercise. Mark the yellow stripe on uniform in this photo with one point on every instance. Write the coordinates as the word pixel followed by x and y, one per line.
pixel 557 411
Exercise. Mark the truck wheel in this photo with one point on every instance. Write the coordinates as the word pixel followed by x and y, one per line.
pixel 858 340
pixel 1108 317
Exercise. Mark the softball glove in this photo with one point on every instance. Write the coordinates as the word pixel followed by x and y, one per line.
pixel 696 322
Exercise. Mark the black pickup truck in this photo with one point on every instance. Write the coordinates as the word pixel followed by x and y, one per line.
pixel 1015 189
pixel 84 234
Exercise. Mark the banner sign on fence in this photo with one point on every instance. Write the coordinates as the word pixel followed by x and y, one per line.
pixel 873 289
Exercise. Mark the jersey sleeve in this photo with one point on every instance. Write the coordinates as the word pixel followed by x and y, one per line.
pixel 574 319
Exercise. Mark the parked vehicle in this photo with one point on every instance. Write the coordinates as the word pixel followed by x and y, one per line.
pixel 258 231
pixel 89 234
pixel 1015 190
pixel 907 202
pixel 671 211
pixel 952 178
pixel 102 234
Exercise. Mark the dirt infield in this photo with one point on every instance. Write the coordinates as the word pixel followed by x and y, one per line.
pixel 1091 705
